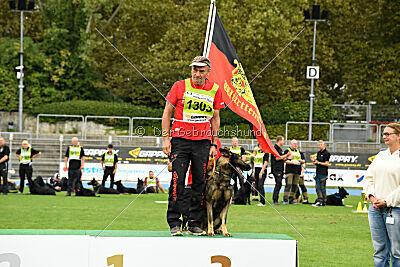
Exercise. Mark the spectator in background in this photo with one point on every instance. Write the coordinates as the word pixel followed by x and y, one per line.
pixel 383 190
pixel 110 161
pixel 74 163
pixel 153 182
pixel 25 155
pixel 301 183
pixel 292 172
pixel 235 148
pixel 252 157
pixel 322 163
pixel 4 156
pixel 260 173
pixel 278 167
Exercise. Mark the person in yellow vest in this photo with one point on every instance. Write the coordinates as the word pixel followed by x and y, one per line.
pixel 260 173
pixel 194 138
pixel 292 171
pixel 25 154
pixel 153 184
pixel 74 163
pixel 109 163
pixel 235 148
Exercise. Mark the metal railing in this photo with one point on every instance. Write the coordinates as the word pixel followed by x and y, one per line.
pixel 361 127
pixel 62 116
pixel 307 123
pixel 107 117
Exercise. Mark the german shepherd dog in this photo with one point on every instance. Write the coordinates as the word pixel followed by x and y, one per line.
pixel 81 191
pixel 99 189
pixel 125 190
pixel 337 198
pixel 218 193
pixel 140 187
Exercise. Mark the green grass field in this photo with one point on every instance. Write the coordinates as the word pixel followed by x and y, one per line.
pixel 334 236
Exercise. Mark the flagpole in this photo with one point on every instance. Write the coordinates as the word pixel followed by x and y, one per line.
pixel 210 27
pixel 211 31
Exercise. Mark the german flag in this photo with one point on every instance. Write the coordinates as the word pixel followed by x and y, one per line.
pixel 228 73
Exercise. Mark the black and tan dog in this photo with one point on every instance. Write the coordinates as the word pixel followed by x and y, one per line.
pixel 99 189
pixel 219 192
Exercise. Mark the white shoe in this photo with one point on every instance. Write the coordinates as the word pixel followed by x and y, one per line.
pixel 260 204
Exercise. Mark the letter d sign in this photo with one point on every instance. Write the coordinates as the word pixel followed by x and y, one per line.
pixel 312 72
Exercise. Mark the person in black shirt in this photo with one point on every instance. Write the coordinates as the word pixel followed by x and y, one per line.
pixel 277 167
pixel 75 156
pixel 4 156
pixel 25 154
pixel 322 163
pixel 109 163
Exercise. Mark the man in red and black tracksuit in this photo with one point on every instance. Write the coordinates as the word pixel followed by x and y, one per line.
pixel 194 135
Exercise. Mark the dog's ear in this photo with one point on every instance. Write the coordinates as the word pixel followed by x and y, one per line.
pixel 225 152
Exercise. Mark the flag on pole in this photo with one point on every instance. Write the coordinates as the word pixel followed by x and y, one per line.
pixel 228 73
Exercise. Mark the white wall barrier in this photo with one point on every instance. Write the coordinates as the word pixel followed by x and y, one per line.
pixel 130 173
pixel 89 251
pixel 125 172
pixel 336 177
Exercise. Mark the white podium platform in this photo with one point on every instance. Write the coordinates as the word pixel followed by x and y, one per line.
pixel 81 248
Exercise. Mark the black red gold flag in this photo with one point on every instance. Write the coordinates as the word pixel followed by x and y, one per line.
pixel 228 73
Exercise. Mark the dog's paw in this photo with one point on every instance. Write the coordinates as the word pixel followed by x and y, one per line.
pixel 218 232
pixel 211 234
pixel 227 234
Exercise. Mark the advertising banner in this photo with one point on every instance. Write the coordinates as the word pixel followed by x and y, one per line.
pixel 128 155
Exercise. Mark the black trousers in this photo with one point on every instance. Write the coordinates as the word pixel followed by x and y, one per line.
pixel 278 175
pixel 3 174
pixel 25 170
pixel 109 171
pixel 184 151
pixel 74 176
pixel 259 183
pixel 187 195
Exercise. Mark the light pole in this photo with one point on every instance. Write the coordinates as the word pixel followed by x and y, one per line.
pixel 313 72
pixel 20 75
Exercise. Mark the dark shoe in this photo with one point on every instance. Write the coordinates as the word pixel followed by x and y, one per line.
pixel 176 231
pixel 293 203
pixel 197 231
pixel 67 194
pixel 276 203
pixel 318 205
pixel 306 202
pixel 284 203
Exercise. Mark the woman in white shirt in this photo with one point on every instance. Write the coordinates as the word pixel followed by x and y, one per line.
pixel 383 190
